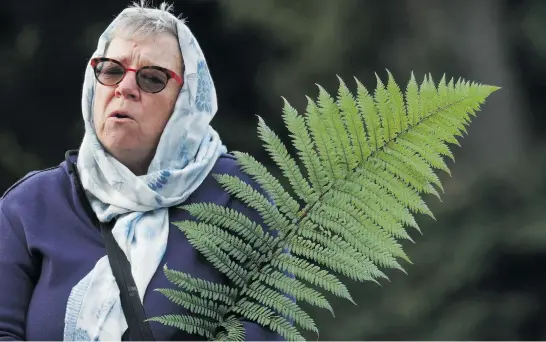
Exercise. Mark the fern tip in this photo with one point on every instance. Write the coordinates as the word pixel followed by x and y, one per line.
pixel 491 89
pixel 286 103
pixel 357 81
pixel 378 79
pixel 350 299
pixel 342 84
pixel 260 119
pixel 321 88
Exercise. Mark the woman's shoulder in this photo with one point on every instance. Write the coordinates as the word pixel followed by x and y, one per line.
pixel 35 183
pixel 210 188
pixel 227 164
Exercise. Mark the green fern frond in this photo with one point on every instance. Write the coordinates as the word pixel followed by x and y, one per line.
pixel 283 201
pixel 189 324
pixel 362 162
pixel 397 210
pixel 353 122
pixel 233 330
pixel 233 246
pixel 207 245
pixel 194 304
pixel 266 317
pixel 396 99
pixel 281 304
pixel 335 128
pixel 303 143
pixel 361 232
pixel 430 156
pixel 335 259
pixel 272 217
pixel 349 195
pixel 413 108
pixel 350 261
pixel 230 219
pixel 311 273
pixel 386 160
pixel 407 196
pixel 369 112
pixel 204 288
pixel 328 154
pixel 293 288
pixel 278 151
pixel 388 118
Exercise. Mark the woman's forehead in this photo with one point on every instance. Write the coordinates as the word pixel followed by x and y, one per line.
pixel 162 50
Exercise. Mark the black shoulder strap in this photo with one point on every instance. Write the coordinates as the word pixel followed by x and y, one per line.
pixel 138 328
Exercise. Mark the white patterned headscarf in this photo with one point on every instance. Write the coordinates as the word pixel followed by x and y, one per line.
pixel 185 155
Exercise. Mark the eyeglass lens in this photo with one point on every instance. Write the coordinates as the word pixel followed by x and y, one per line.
pixel 149 79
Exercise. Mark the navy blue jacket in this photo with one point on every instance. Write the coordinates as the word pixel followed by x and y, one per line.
pixel 48 243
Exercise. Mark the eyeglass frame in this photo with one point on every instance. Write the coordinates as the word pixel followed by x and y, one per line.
pixel 169 73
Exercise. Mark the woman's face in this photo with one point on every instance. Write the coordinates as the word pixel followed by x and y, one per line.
pixel 133 137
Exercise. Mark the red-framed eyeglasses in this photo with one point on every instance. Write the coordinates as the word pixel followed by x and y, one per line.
pixel 151 79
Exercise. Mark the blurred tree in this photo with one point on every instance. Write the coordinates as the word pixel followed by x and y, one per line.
pixel 14 160
pixel 450 292
pixel 318 39
pixel 498 139
pixel 477 278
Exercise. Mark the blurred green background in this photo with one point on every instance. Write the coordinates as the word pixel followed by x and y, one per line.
pixel 478 272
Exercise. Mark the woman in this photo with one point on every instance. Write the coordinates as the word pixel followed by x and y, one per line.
pixel 148 99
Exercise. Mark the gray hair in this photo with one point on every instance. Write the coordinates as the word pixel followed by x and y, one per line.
pixel 144 22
